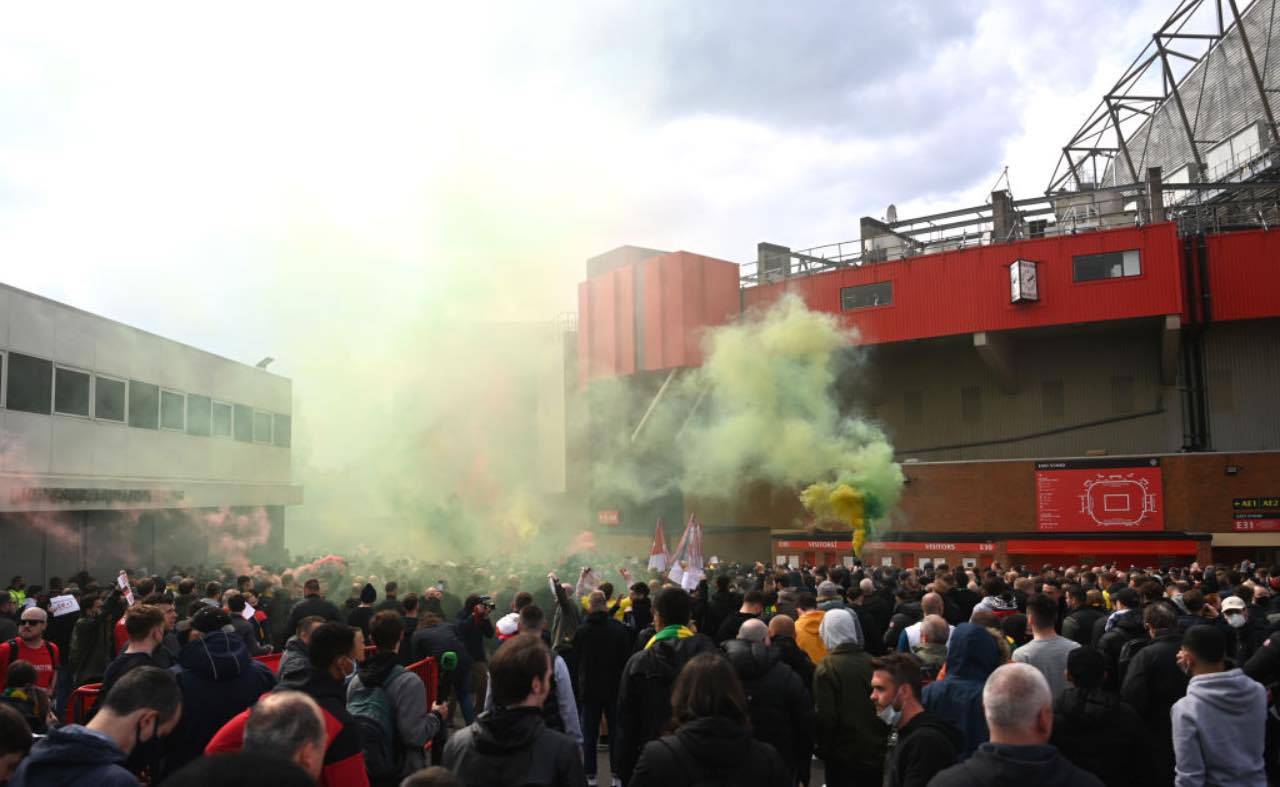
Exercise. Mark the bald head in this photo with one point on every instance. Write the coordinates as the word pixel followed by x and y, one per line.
pixel 288 723
pixel 782 626
pixel 867 587
pixel 1018 705
pixel 932 604
pixel 754 630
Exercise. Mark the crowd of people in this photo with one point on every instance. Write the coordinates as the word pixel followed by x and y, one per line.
pixel 760 675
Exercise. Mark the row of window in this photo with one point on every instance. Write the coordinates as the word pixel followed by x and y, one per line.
pixel 37 385
pixel 1052 401
pixel 1085 267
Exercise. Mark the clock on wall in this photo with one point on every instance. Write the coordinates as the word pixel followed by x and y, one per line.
pixel 1024 284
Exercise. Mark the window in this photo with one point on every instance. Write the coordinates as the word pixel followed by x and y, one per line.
pixel 30 384
pixel 261 427
pixel 221 424
pixel 144 405
pixel 971 404
pixel 283 431
pixel 1122 395
pixel 1051 399
pixel 198 409
pixel 108 398
pixel 70 392
pixel 244 424
pixel 912 407
pixel 173 410
pixel 1112 265
pixel 866 295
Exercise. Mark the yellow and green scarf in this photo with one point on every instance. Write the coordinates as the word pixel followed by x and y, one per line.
pixel 670 632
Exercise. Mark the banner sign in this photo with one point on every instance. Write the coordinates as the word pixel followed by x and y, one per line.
pixel 931 546
pixel 608 516
pixel 1099 495
pixel 801 544
pixel 1256 514
pixel 63 605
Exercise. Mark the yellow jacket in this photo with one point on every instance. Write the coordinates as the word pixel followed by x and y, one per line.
pixel 623 606
pixel 807 636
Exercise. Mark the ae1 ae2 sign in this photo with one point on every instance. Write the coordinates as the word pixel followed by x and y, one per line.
pixel 1099 495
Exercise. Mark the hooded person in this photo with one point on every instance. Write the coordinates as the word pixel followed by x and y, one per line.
pixel 218 680
pixel 780 710
pixel 850 738
pixel 511 744
pixel 644 693
pixel 972 655
pixel 1219 728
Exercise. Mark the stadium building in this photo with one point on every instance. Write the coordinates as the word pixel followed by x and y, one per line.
pixel 119 448
pixel 1092 374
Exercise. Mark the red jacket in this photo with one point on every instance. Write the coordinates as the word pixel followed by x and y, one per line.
pixel 343 758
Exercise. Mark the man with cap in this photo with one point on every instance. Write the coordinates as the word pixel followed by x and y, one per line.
pixel 829 596
pixel 1243 639
pixel 1219 728
pixel 218 680
pixel 363 614
pixel 31 646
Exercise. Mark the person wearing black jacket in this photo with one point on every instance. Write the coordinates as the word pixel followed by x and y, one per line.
pixel 779 706
pixel 926 743
pixel 1079 623
pixel 1153 682
pixel 311 604
pixel 603 646
pixel 1111 633
pixel 752 608
pixel 782 644
pixel 644 693
pixel 723 603
pixel 474 627
pixel 1094 729
pixel 712 742
pixel 433 639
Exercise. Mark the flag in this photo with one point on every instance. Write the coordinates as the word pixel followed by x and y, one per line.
pixel 693 573
pixel 677 572
pixel 658 557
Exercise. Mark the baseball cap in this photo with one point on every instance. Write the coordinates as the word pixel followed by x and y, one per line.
pixel 508 625
pixel 1233 602
pixel 828 589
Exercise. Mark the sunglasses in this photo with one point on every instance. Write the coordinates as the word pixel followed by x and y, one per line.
pixel 30 622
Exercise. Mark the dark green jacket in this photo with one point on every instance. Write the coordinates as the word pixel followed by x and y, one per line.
pixel 849 731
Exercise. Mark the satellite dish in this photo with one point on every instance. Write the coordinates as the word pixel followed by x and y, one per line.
pixel 891 214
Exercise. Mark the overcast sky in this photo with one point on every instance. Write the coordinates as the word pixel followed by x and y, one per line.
pixel 244 176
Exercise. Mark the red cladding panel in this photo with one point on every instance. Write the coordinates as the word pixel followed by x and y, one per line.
pixel 968 291
pixel 1244 274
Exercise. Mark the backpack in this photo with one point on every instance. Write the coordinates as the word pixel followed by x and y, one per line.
pixel 1127 651
pixel 371 709
pixel 13 653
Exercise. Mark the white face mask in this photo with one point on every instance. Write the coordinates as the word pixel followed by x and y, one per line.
pixel 890 716
pixel 1236 620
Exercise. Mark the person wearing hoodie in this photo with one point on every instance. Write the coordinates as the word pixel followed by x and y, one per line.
pixel 144 705
pixel 1220 726
pixel 218 679
pixel 712 742
pixel 780 710
pixel 1019 713
pixel 925 743
pixel 807 624
pixel 510 745
pixel 644 693
pixel 972 655
pixel 336 651
pixel 295 662
pixel 998 600
pixel 850 739
pixel 602 645
pixel 1093 728
pixel 413 723
pixel 1153 682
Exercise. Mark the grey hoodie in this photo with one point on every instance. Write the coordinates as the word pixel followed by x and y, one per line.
pixel 1219 730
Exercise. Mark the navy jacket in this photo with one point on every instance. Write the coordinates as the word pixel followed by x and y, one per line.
pixel 972 656
pixel 218 679
pixel 72 756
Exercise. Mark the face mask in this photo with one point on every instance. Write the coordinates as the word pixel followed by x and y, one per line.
pixel 1236 621
pixel 890 716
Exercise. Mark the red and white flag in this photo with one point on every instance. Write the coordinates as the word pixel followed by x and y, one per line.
pixel 658 556
pixel 693 573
